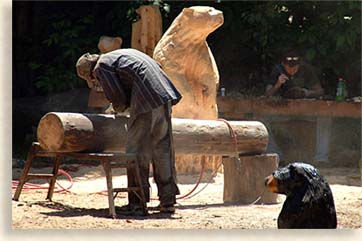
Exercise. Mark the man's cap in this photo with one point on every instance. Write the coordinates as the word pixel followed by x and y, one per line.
pixel 291 58
pixel 85 65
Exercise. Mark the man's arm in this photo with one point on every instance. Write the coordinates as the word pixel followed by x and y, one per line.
pixel 272 89
pixel 314 88
pixel 112 88
pixel 315 91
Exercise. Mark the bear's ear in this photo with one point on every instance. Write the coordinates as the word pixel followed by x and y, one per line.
pixel 297 171
pixel 292 168
pixel 188 12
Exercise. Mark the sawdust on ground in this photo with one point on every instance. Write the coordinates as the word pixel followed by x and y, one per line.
pixel 86 205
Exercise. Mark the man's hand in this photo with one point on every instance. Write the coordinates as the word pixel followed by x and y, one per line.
pixel 272 89
pixel 306 92
pixel 110 110
pixel 119 108
pixel 281 80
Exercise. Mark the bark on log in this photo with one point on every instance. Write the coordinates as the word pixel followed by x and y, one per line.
pixel 244 180
pixel 75 132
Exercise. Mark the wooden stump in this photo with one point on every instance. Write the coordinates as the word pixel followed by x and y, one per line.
pixel 244 180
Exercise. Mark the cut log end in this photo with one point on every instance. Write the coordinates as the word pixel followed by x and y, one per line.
pixel 50 132
pixel 67 132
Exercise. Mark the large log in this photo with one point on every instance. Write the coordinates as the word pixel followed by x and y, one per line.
pixel 75 132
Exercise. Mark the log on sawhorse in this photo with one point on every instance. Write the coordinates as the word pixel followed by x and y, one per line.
pixel 82 132
pixel 108 160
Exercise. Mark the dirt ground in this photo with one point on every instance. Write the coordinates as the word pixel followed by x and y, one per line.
pixel 86 205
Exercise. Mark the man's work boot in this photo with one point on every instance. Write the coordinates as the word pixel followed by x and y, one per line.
pixel 132 210
pixel 169 208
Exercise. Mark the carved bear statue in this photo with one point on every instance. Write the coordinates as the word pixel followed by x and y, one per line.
pixel 186 58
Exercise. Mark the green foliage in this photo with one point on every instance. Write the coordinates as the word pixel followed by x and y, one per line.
pixel 67 33
pixel 65 41
pixel 317 28
pixel 74 31
pixel 327 32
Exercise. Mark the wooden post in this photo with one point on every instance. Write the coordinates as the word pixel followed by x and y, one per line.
pixel 244 179
pixel 147 31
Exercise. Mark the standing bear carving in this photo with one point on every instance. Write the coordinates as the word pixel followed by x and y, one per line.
pixel 186 58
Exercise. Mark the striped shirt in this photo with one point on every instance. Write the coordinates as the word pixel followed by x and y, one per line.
pixel 132 78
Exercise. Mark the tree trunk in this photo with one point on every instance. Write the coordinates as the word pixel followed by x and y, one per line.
pixel 75 132
pixel 244 179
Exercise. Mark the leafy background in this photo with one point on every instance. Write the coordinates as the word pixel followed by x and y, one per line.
pixel 48 37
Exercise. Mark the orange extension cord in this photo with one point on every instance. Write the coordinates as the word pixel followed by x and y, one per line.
pixel 32 186
pixel 59 188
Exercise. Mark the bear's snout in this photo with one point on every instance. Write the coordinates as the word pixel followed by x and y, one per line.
pixel 271 184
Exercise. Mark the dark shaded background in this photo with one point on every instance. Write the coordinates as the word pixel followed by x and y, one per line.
pixel 49 36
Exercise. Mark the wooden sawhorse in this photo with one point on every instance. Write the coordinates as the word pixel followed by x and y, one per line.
pixel 109 161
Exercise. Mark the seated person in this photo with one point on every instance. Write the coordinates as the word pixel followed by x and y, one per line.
pixel 293 78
